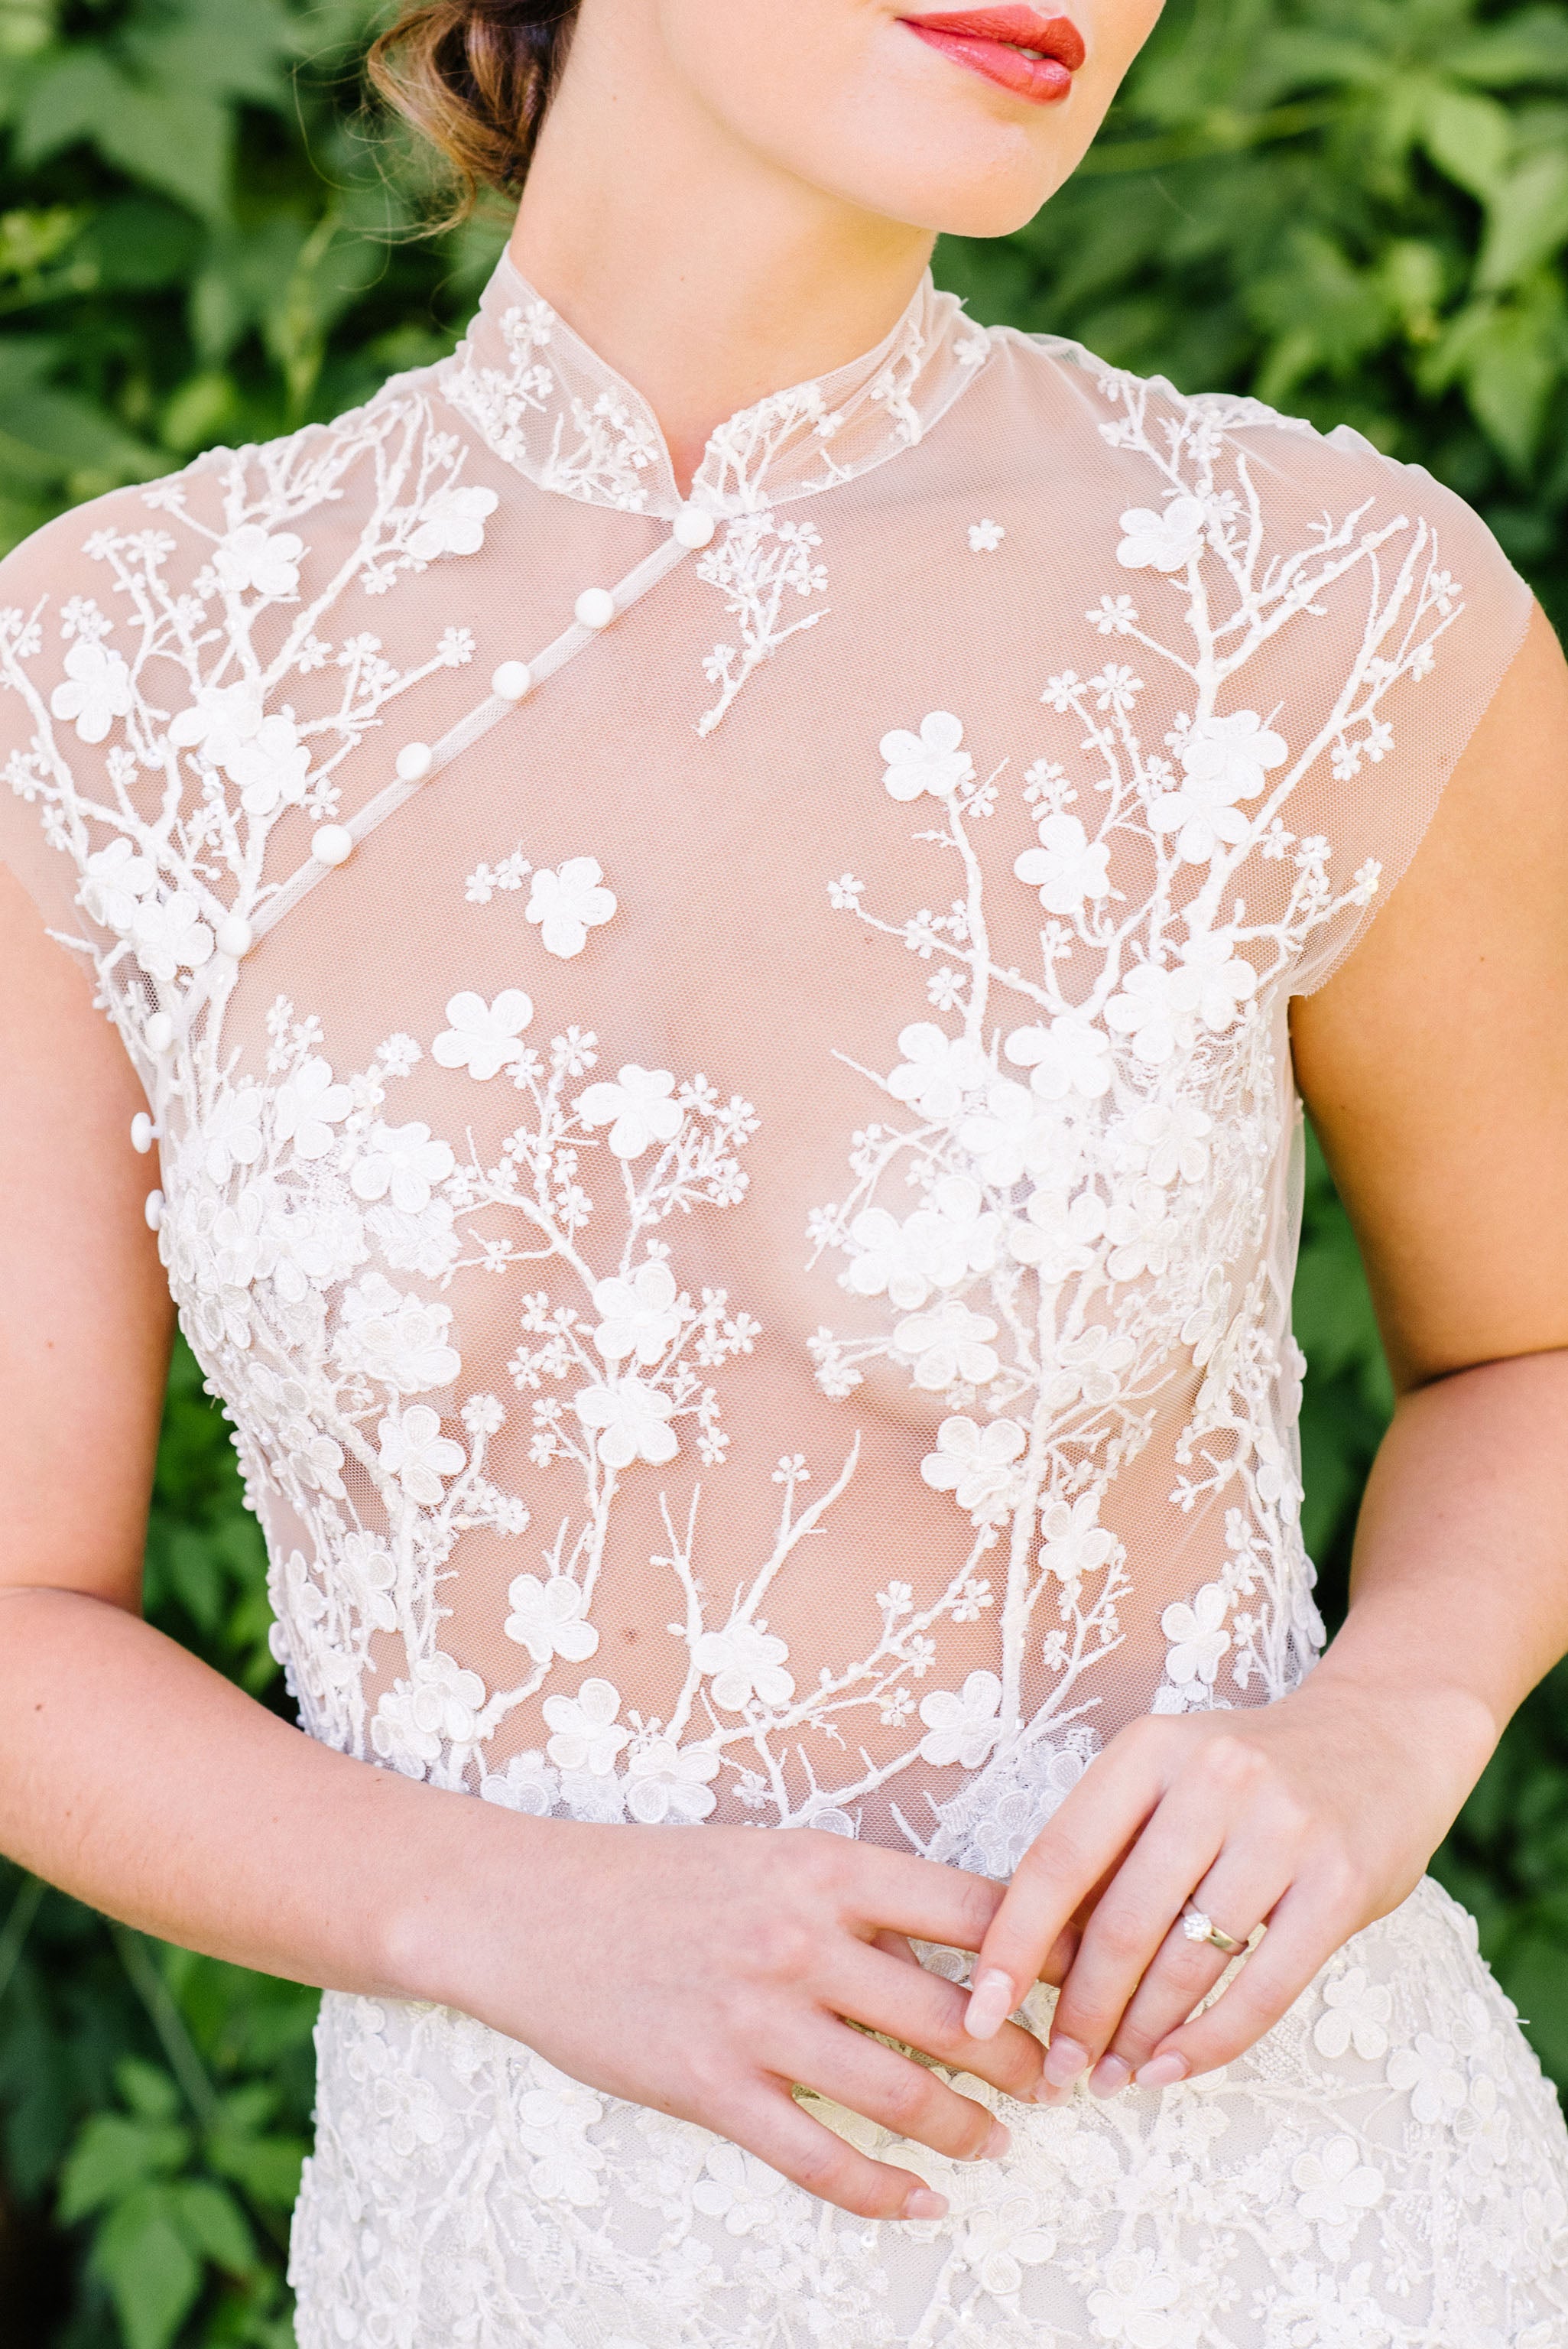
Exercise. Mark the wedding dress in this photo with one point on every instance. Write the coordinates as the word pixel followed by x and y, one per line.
pixel 726 1139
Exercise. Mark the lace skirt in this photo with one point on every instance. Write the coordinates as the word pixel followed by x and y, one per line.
pixel 1386 2169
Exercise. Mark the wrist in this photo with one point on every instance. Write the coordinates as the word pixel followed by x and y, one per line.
pixel 457 1887
pixel 1442 1720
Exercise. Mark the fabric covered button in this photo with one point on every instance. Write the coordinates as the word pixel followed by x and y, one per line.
pixel 693 526
pixel 511 680
pixel 596 607
pixel 143 1132
pixel 415 760
pixel 158 1033
pixel 235 936
pixel 152 1208
pixel 332 844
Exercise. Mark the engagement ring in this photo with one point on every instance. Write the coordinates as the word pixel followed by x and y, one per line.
pixel 1199 1928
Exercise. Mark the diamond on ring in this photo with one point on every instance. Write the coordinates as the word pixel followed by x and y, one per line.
pixel 1201 1928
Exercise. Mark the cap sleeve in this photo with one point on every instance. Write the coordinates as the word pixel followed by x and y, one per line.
pixel 84 791
pixel 1399 615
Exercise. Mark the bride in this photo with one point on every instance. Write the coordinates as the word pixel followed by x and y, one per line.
pixel 713 919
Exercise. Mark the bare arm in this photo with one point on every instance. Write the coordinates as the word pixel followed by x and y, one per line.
pixel 125 1765
pixel 142 1781
pixel 1435 1064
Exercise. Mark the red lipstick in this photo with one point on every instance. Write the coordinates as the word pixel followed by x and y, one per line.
pixel 1033 56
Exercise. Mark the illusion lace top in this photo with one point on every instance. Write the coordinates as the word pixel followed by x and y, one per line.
pixel 719 1068
pixel 725 1136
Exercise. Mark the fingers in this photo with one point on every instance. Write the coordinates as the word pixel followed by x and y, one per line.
pixel 894 1891
pixel 897 1945
pixel 777 2131
pixel 1060 1868
pixel 925 2011
pixel 1133 1946
pixel 1306 1928
pixel 1057 1961
pixel 900 2093
pixel 1240 1891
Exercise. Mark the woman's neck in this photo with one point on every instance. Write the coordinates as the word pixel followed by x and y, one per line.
pixel 703 273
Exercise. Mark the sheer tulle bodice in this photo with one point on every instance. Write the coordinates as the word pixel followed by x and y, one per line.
pixel 725 1134
pixel 745 1218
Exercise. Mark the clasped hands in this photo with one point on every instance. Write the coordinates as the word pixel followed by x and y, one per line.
pixel 757 1964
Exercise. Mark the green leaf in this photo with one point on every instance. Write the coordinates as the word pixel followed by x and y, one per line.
pixel 211 46
pixel 55 434
pixel 138 244
pixel 167 134
pixel 214 2224
pixel 202 411
pixel 26 26
pixel 151 2093
pixel 1469 138
pixel 1537 1979
pixel 142 2254
pixel 197 1576
pixel 245 281
pixel 64 100
pixel 248 2109
pixel 29 241
pixel 113 2158
pixel 1531 46
pixel 1509 359
pixel 1325 313
pixel 1527 221
pixel 268 2167
pixel 1412 277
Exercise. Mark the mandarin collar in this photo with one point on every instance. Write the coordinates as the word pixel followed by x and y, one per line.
pixel 546 403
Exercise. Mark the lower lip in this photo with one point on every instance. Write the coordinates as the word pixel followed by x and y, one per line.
pixel 1043 82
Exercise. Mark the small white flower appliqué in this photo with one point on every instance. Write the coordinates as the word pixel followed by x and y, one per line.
pixel 1066 867
pixel 1161 542
pixel 261 562
pixel 546 1618
pixel 961 1728
pixel 568 902
pixel 97 690
pixel 630 1421
pixel 484 1038
pixel 637 1109
pixel 986 536
pixel 452 522
pixel 746 1662
pixel 931 761
pixel 587 1736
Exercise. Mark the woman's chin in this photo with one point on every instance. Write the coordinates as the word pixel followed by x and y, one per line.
pixel 964 177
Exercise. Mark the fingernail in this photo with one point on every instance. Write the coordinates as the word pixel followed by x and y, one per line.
pixel 1065 2061
pixel 1163 2071
pixel 999 2142
pixel 991 2001
pixel 1112 2072
pixel 924 2204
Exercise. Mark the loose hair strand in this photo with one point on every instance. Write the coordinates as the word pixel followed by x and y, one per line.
pixel 474 77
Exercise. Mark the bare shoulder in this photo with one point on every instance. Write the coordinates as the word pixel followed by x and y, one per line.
pixel 1435 1062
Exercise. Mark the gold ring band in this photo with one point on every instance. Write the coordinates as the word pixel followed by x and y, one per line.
pixel 1200 1927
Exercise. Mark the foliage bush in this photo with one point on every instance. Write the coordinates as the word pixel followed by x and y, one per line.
pixel 1354 208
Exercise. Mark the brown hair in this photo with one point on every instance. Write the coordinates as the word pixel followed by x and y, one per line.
pixel 474 76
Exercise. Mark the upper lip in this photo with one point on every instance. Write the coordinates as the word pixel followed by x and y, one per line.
pixel 1015 26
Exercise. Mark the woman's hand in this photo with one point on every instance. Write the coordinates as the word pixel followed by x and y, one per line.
pixel 702 1970
pixel 1312 1816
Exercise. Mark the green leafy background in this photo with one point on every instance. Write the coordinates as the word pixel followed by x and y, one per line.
pixel 1357 209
